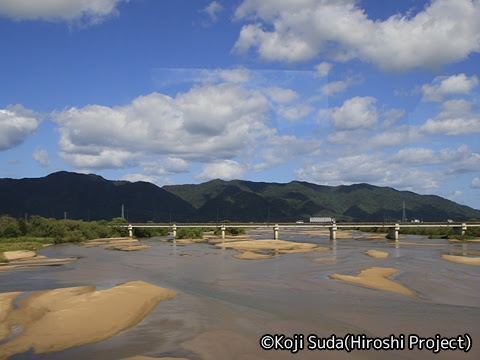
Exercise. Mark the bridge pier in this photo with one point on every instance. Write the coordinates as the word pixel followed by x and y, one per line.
pixel 275 232
pixel 174 231
pixel 460 230
pixel 130 230
pixel 223 231
pixel 393 232
pixel 333 232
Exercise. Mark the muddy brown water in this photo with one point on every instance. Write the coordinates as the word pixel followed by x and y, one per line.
pixel 225 305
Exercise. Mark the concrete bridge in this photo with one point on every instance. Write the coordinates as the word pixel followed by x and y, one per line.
pixel 393 228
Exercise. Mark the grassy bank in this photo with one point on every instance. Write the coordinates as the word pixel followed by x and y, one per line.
pixel 24 243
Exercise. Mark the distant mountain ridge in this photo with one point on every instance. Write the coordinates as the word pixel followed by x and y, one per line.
pixel 301 200
pixel 91 197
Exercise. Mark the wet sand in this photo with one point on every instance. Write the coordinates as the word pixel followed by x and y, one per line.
pixel 74 316
pixel 22 259
pixel 462 259
pixel 151 358
pixel 376 278
pixel 123 244
pixel 263 249
pixel 377 254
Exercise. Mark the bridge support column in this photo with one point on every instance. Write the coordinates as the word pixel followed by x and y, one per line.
pixel 223 231
pixel 174 231
pixel 460 230
pixel 275 232
pixel 333 232
pixel 130 230
pixel 393 232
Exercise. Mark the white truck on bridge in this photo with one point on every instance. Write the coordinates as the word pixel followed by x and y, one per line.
pixel 322 220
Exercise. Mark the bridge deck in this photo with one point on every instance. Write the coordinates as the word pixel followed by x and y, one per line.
pixel 307 225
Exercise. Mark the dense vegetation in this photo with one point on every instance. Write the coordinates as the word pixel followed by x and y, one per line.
pixel 91 197
pixel 233 231
pixel 190 233
pixel 19 234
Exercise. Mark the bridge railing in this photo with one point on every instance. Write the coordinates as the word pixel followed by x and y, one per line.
pixel 393 227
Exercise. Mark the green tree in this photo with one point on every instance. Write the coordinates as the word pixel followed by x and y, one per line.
pixel 8 226
pixel 22 226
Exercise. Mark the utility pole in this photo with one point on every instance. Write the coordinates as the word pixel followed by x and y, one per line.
pixel 64 215
pixel 123 212
pixel 404 215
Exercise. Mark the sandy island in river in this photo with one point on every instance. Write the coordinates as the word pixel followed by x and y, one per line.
pixel 376 278
pixel 462 259
pixel 263 249
pixel 377 254
pixel 29 259
pixel 54 320
pixel 151 358
pixel 345 234
pixel 121 243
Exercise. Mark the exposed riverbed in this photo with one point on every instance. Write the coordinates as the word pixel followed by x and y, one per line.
pixel 225 304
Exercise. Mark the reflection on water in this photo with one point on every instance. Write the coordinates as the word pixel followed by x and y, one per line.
pixel 225 304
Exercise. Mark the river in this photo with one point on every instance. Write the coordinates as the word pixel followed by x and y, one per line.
pixel 225 305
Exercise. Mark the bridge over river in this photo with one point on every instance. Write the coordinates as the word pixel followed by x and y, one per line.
pixel 393 228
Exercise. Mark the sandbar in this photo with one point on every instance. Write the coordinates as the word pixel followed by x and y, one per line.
pixel 462 259
pixel 376 278
pixel 54 320
pixel 189 241
pixel 377 254
pixel 18 254
pixel 326 260
pixel 152 358
pixel 250 255
pixel 262 249
pixel 416 243
pixel 340 234
pixel 22 259
pixel 123 244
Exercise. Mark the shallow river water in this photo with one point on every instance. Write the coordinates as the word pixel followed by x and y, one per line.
pixel 225 305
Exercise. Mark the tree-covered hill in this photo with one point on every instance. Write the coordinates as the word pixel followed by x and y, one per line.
pixel 258 201
pixel 91 197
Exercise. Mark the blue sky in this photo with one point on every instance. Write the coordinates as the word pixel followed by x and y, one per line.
pixel 185 91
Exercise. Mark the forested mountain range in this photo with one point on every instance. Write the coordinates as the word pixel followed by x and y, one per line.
pixel 91 197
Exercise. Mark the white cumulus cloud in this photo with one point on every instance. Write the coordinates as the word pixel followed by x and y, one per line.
pixel 456 118
pixel 41 156
pixel 445 31
pixel 374 169
pixel 208 123
pixel 323 69
pixel 212 10
pixel 476 183
pixel 16 125
pixel 355 113
pixel 86 11
pixel 452 85
pixel 225 170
